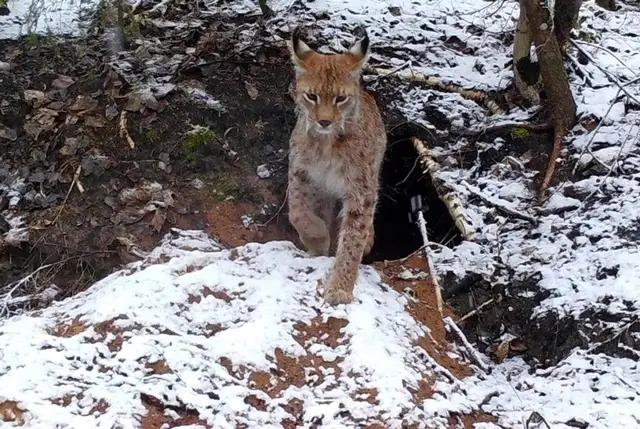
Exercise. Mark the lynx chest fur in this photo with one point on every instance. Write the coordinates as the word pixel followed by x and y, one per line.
pixel 336 150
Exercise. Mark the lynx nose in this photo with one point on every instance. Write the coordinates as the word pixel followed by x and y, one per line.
pixel 324 123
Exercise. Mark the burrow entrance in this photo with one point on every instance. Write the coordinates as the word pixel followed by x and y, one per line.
pixel 402 178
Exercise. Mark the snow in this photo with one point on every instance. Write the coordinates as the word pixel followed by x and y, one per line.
pixel 598 390
pixel 257 296
pixel 50 17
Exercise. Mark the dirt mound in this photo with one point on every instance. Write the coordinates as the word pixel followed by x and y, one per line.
pixel 198 334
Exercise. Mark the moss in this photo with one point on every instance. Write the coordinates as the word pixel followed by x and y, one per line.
pixel 152 135
pixel 520 133
pixel 31 40
pixel 228 188
pixel 3 3
pixel 195 140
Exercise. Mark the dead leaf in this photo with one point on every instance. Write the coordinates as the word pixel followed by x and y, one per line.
pixel 8 133
pixel 251 90
pixel 71 145
pixel 111 111
pixel 63 82
pixel 34 97
pixel 95 121
pixel 83 104
pixel 158 220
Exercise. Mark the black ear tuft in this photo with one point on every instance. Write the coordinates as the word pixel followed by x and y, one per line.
pixel 364 43
pixel 295 38
pixel 362 37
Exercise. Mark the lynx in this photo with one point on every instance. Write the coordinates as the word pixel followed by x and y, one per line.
pixel 336 150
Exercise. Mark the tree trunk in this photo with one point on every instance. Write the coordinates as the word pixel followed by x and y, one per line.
pixel 526 74
pixel 565 18
pixel 559 98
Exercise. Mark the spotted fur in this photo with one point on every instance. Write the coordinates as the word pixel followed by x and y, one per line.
pixel 336 150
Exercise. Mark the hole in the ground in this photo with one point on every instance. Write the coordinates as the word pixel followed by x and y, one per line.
pixel 402 178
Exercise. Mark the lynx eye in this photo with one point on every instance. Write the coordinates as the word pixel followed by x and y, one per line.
pixel 311 97
pixel 340 99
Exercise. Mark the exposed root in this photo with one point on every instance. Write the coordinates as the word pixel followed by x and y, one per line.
pixel 558 139
pixel 409 75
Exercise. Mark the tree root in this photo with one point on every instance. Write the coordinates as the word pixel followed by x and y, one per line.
pixel 558 139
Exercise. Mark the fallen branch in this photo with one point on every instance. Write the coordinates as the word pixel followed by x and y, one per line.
pixel 446 195
pixel 422 224
pixel 14 286
pixel 476 310
pixel 123 130
pixel 479 97
pixel 471 351
pixel 499 205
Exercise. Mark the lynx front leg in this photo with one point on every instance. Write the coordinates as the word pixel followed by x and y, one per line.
pixel 303 215
pixel 357 220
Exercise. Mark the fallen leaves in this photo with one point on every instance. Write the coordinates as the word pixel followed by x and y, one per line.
pixel 147 198
pixel 509 345
pixel 63 82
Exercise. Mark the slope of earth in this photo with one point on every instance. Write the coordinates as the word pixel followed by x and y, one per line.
pixel 197 335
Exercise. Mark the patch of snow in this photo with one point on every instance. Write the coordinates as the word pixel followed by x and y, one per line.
pixel 255 296
pixel 45 17
pixel 596 389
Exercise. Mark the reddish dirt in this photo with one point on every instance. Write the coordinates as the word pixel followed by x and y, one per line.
pixel 10 412
pixel 424 309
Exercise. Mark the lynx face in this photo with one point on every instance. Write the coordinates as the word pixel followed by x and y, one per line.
pixel 327 86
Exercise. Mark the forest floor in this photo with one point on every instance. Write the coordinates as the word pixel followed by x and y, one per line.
pixel 162 144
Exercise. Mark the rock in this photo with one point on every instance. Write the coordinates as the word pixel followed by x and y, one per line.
pixel 263 171
pixel 4 66
pixel 197 183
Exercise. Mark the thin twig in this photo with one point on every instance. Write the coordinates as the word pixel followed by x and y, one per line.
pixel 471 351
pixel 498 205
pixel 476 310
pixel 422 224
pixel 607 73
pixel 284 202
pixel 76 176
pixel 124 133
pixel 608 51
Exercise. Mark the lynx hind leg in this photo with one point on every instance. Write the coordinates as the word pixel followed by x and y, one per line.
pixel 371 238
pixel 303 215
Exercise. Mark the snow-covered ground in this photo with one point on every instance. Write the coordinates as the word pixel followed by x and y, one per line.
pixel 231 328
pixel 51 17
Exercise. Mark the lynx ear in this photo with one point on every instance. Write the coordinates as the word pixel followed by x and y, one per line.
pixel 360 53
pixel 300 51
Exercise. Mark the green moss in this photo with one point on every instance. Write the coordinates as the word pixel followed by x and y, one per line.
pixel 3 3
pixel 228 188
pixel 152 135
pixel 520 133
pixel 195 140
pixel 31 40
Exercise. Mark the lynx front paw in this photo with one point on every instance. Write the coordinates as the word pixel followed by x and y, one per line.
pixel 334 295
